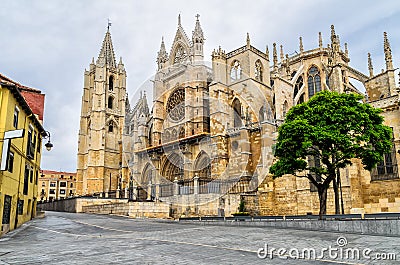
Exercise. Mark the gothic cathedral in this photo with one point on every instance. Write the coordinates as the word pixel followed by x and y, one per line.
pixel 205 144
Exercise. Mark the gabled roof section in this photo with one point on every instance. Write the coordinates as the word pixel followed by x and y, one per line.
pixel 32 96
pixel 107 56
pixel 180 37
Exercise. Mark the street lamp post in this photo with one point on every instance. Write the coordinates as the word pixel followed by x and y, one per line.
pixel 48 145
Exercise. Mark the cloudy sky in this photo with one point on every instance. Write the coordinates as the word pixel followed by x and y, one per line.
pixel 47 44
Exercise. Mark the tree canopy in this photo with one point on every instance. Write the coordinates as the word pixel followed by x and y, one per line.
pixel 331 128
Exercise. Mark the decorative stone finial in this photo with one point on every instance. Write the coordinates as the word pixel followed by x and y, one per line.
pixel 281 55
pixel 301 45
pixel 388 52
pixel 248 40
pixel 320 40
pixel 333 34
pixel 275 56
pixel 370 67
pixel 267 52
pixel 346 50
pixel 179 20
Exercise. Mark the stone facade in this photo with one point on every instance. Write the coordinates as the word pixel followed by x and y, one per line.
pixel 206 142
pixel 100 168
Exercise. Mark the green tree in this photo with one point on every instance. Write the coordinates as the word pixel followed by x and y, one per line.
pixel 331 129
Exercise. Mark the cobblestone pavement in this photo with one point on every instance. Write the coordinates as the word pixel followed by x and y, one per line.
pixel 68 238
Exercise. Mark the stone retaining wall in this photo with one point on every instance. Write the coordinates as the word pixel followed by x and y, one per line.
pixel 372 227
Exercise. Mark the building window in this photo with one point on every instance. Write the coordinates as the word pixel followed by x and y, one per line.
pixel 10 162
pixel 111 83
pixel 387 168
pixel 110 127
pixel 62 192
pixel 16 115
pixel 110 102
pixel 284 109
pixel 259 71
pixel 30 149
pixel 237 113
pixel 30 175
pixel 63 184
pixel 176 105
pixel 20 207
pixel 6 210
pixel 52 191
pixel 298 85
pixel 236 71
pixel 26 180
pixel 71 185
pixel 313 81
pixel 52 184
pixel 301 99
pixel 43 184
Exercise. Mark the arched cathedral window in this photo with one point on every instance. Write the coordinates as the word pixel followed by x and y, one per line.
pixel 284 109
pixel 111 83
pixel 180 54
pixel 259 71
pixel 111 127
pixel 314 81
pixel 237 113
pixel 297 86
pixel 176 105
pixel 236 71
pixel 110 102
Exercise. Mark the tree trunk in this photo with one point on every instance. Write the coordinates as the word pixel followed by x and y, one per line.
pixel 322 194
pixel 337 198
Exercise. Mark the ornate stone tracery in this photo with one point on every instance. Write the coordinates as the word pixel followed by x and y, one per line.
pixel 180 54
pixel 176 105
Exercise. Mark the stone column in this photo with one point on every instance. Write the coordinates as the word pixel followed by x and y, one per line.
pixel 149 191
pixel 196 184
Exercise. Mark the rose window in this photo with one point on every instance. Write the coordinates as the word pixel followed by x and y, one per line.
pixel 176 105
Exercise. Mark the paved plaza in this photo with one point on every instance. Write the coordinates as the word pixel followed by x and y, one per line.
pixel 68 238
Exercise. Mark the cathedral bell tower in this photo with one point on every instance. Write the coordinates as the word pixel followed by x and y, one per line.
pixel 99 167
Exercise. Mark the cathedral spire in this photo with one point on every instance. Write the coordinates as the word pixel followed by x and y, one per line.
pixel 162 56
pixel 106 55
pixel 388 52
pixel 301 45
pixel 198 41
pixel 197 33
pixel 370 67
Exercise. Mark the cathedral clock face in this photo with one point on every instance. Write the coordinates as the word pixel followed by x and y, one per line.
pixel 176 105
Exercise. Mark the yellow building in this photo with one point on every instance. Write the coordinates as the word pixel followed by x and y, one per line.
pixel 56 185
pixel 21 114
